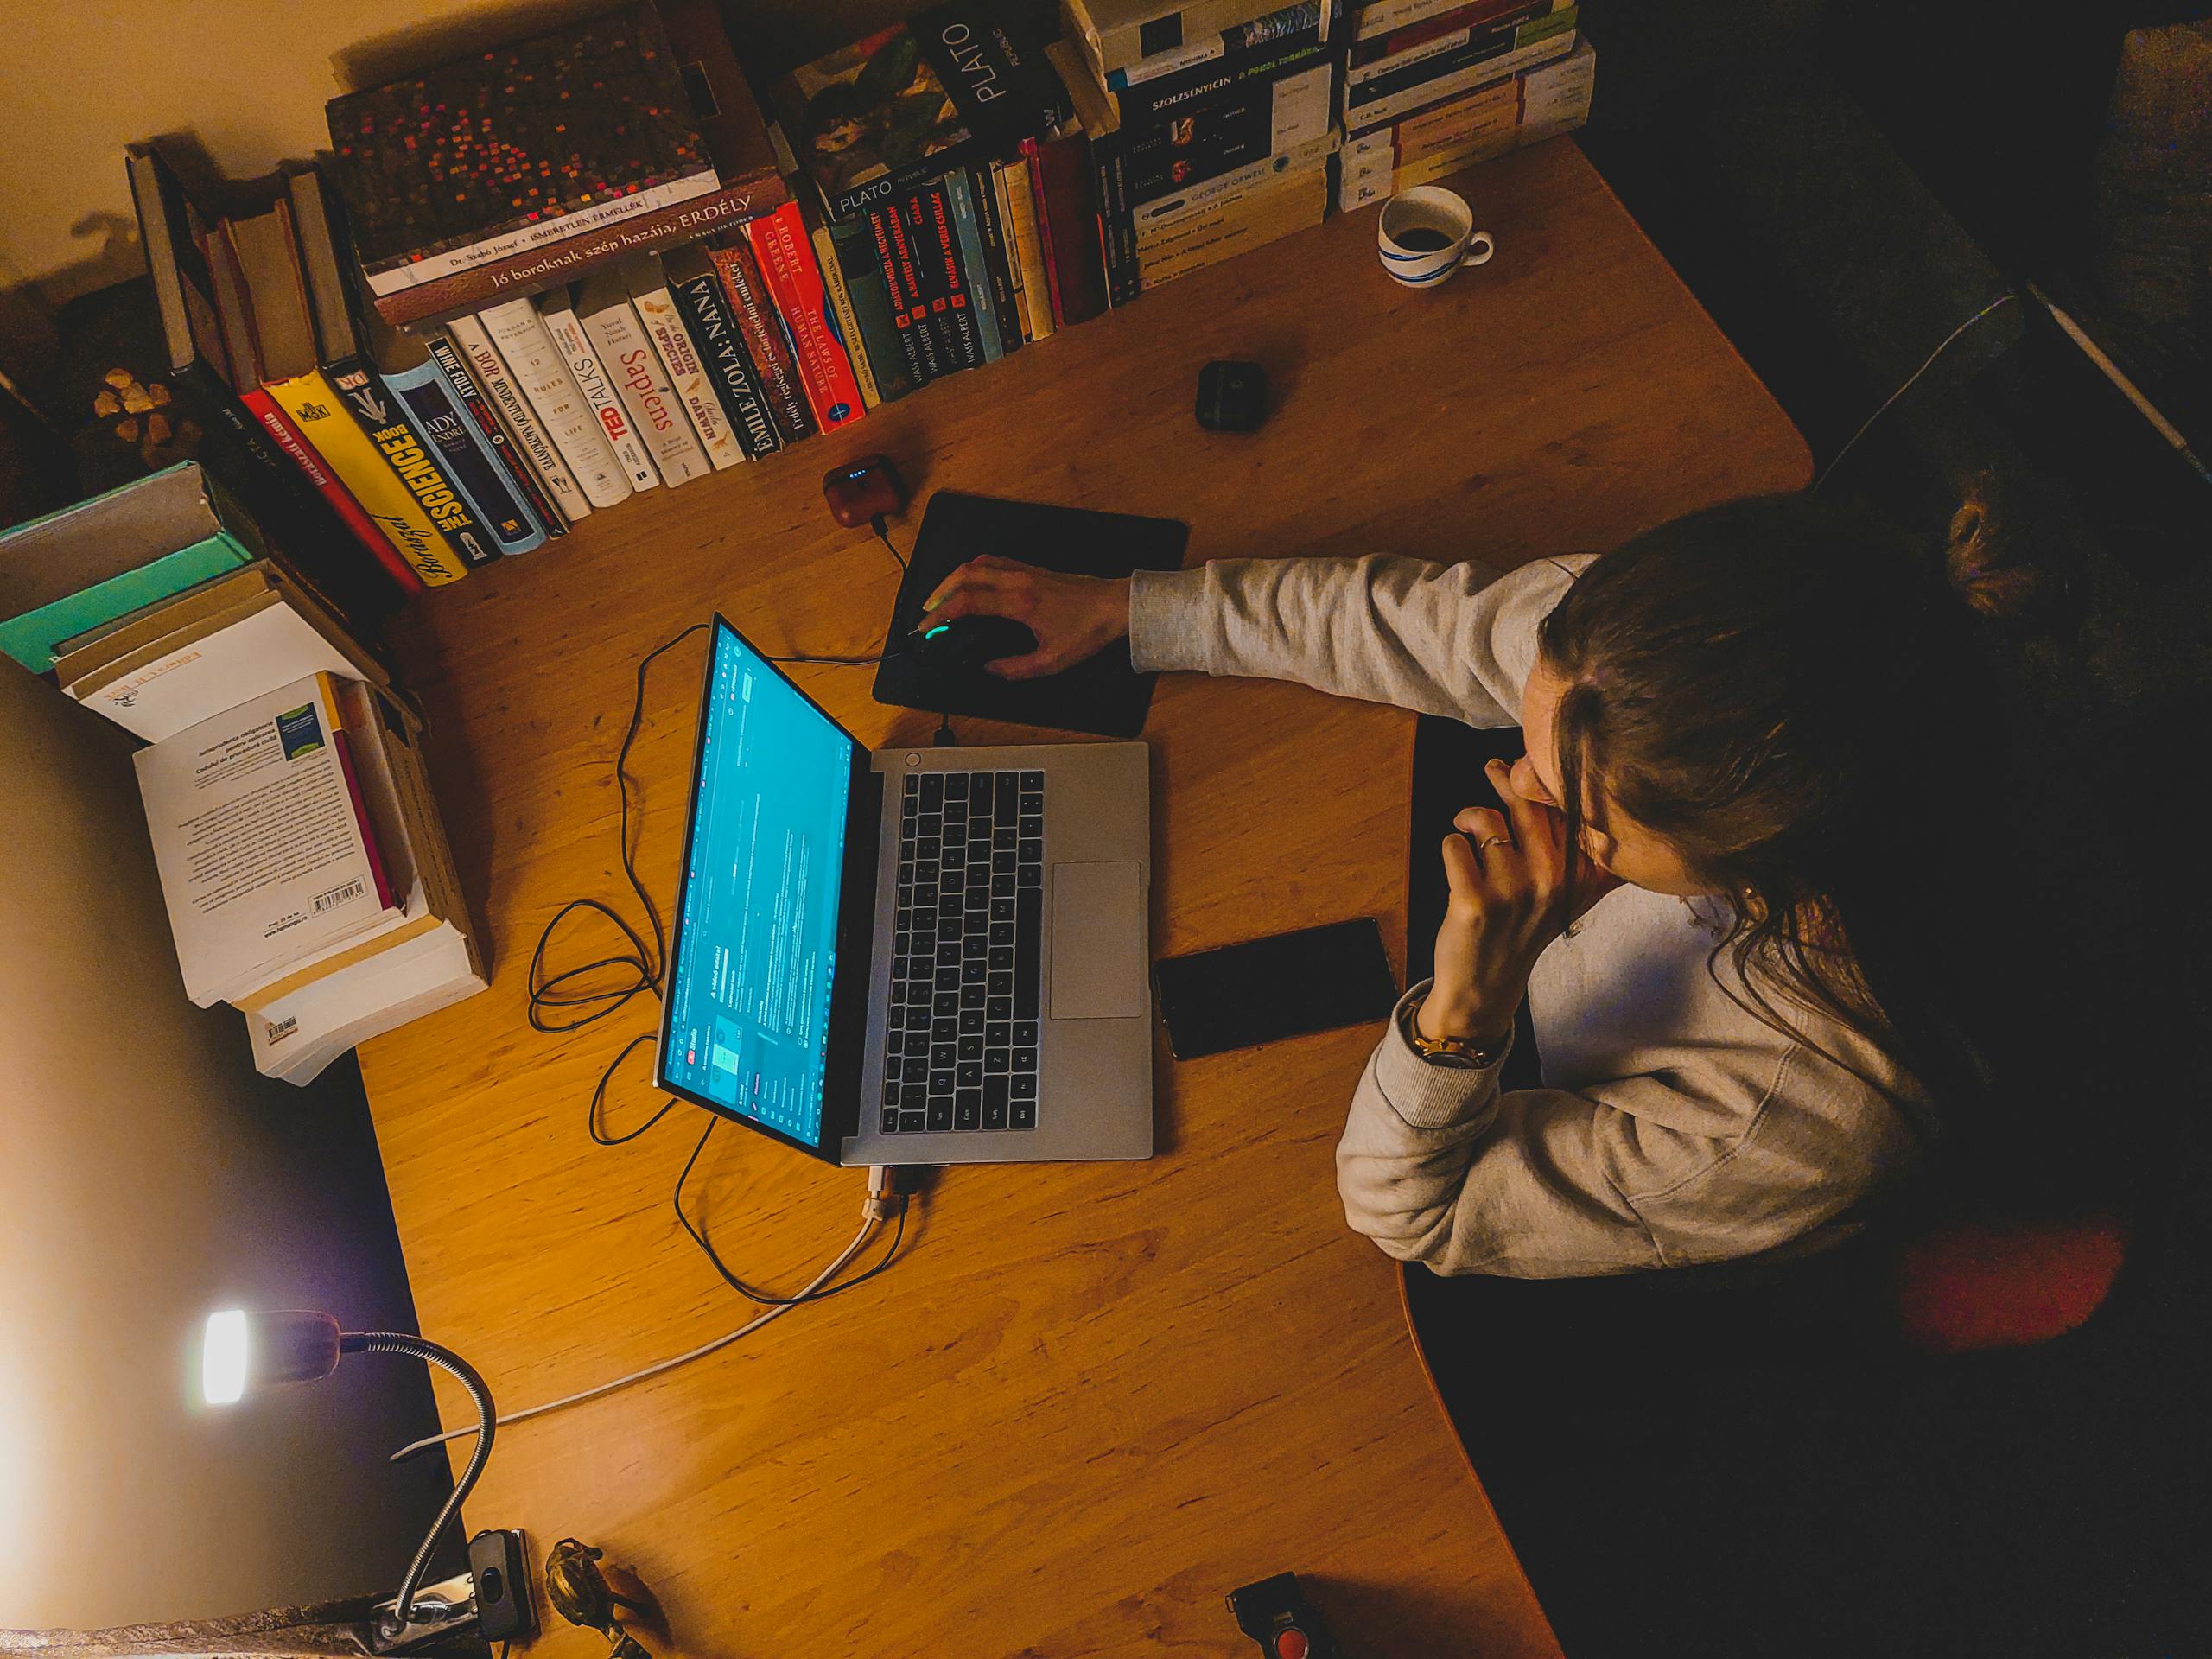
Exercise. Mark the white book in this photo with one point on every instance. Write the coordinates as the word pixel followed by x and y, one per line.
pixel 663 321
pixel 424 975
pixel 255 648
pixel 576 349
pixel 541 372
pixel 262 841
pixel 516 415
pixel 628 355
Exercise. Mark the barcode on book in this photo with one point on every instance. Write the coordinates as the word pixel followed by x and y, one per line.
pixel 338 896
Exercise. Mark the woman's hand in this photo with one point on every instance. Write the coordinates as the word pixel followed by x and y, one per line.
pixel 1509 899
pixel 1073 617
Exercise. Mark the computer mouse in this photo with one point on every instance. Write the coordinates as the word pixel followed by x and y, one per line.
pixel 972 641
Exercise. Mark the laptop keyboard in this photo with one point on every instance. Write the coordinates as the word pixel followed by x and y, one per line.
pixel 960 1051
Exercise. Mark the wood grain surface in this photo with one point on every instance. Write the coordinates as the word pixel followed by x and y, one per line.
pixel 1089 1399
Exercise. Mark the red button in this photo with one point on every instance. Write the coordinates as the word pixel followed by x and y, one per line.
pixel 1291 1644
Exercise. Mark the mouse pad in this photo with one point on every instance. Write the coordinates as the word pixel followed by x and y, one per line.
pixel 1103 695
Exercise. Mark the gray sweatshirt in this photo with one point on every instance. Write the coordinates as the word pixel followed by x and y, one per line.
pixel 1673 1128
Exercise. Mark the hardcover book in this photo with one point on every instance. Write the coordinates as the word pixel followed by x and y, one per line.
pixel 956 83
pixel 562 132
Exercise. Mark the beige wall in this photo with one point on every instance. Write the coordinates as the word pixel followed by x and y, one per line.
pixel 248 78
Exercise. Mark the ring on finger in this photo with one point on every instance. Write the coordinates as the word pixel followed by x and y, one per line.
pixel 1493 840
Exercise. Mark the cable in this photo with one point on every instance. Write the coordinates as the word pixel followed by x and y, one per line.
pixel 762 1298
pixel 844 1259
pixel 2002 299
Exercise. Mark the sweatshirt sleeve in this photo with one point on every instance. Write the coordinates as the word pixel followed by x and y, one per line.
pixel 1456 641
pixel 1438 1166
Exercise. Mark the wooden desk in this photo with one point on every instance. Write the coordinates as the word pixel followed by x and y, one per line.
pixel 1089 1399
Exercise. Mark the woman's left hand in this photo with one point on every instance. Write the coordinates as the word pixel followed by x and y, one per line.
pixel 1509 897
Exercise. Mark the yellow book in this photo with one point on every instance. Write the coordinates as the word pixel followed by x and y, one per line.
pixel 324 421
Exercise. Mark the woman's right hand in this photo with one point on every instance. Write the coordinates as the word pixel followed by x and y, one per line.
pixel 1073 617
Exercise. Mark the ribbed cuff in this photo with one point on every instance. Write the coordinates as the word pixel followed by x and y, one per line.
pixel 1428 1095
pixel 1163 609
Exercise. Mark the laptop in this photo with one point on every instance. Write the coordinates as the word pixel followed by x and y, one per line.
pixel 914 956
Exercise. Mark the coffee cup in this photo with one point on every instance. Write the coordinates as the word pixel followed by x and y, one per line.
pixel 1426 233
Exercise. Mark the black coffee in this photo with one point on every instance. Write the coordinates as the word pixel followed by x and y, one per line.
pixel 1422 239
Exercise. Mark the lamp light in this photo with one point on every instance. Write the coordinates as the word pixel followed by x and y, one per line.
pixel 243 1353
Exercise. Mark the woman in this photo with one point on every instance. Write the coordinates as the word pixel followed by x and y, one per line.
pixel 1757 729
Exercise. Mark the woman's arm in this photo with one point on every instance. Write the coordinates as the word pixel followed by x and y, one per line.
pixel 1668 1169
pixel 1456 641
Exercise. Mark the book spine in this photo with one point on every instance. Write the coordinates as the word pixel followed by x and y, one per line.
pixel 1440 40
pixel 844 317
pixel 1116 223
pixel 322 423
pixel 519 335
pixel 998 269
pixel 950 297
pixel 562 262
pixel 385 422
pixel 1386 16
pixel 531 439
pixel 270 420
pixel 401 271
pixel 1116 48
pixel 627 357
pixel 687 373
pixel 910 307
pixel 1144 107
pixel 492 437
pixel 714 332
pixel 960 195
pixel 994 182
pixel 1028 252
pixel 765 340
pixel 469 467
pixel 1434 81
pixel 1072 236
pixel 845 311
pixel 785 258
pixel 1290 21
pixel 566 330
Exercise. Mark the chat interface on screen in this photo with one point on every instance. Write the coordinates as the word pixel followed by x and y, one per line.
pixel 749 998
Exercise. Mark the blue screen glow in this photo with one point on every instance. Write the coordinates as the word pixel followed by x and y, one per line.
pixel 757 913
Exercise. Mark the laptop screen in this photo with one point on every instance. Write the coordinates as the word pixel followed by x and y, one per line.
pixel 747 1027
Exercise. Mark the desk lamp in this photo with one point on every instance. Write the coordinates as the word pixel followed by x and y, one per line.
pixel 243 1353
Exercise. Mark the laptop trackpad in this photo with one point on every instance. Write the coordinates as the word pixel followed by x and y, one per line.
pixel 1097 942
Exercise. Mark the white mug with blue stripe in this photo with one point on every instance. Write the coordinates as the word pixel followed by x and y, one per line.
pixel 1426 233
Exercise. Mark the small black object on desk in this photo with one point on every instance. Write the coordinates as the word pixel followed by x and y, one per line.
pixel 1275 1614
pixel 973 641
pixel 1232 396
pixel 1102 694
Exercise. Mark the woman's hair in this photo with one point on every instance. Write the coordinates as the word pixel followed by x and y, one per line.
pixel 1795 700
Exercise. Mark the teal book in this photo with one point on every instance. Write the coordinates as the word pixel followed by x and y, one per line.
pixel 962 196
pixel 77 570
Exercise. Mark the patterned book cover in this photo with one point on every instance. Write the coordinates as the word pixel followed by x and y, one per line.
pixel 956 83
pixel 553 126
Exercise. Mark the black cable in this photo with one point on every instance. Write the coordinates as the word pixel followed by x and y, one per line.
pixel 551 998
pixel 762 1298
pixel 884 535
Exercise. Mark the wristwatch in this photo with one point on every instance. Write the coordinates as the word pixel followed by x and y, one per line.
pixel 1461 1052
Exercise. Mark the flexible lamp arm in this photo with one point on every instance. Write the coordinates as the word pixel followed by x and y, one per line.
pixel 397 1342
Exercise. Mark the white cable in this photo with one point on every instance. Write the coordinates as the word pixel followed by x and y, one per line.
pixel 2002 299
pixel 868 1227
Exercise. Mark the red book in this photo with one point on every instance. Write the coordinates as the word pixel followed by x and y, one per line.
pixel 785 255
pixel 765 338
pixel 264 409
pixel 1067 222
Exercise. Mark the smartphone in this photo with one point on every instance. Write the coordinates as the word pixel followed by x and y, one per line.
pixel 1316 979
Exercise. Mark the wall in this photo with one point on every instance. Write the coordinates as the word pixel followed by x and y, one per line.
pixel 147 1176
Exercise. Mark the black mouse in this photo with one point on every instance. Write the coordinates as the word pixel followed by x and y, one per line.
pixel 972 641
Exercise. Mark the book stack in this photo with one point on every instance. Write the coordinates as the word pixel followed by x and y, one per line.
pixel 600 260
pixel 950 170
pixel 1430 86
pixel 306 874
pixel 1219 128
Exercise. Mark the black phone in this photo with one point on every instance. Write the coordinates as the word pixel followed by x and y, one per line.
pixel 1316 979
